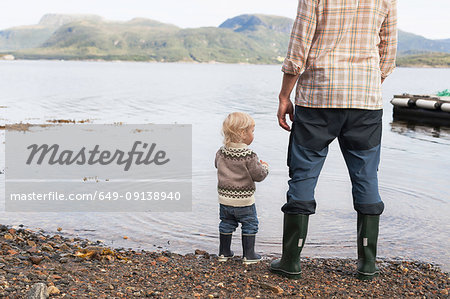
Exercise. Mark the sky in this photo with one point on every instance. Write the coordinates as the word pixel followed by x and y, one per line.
pixel 429 18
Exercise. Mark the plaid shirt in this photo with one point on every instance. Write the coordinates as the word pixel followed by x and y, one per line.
pixel 342 49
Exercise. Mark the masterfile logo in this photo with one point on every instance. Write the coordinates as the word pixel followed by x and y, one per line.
pixel 53 155
pixel 105 168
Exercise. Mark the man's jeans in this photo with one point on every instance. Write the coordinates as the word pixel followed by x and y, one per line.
pixel 359 135
pixel 231 217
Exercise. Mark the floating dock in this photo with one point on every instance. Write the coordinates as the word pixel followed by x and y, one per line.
pixel 428 109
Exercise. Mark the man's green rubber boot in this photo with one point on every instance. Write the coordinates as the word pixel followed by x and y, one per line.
pixel 295 228
pixel 367 226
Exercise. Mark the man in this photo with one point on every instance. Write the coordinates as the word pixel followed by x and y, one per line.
pixel 339 53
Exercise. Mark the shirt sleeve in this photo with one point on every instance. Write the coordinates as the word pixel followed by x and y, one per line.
pixel 388 41
pixel 302 35
pixel 257 170
pixel 217 157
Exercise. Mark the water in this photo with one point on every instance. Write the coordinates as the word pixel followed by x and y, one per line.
pixel 414 173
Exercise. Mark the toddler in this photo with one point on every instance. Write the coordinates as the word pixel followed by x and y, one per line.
pixel 238 168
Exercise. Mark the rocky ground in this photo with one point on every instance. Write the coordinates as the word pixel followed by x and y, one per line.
pixel 62 267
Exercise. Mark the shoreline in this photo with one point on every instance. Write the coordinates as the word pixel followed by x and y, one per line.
pixel 406 65
pixel 81 268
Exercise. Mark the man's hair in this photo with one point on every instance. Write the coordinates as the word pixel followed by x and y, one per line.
pixel 234 127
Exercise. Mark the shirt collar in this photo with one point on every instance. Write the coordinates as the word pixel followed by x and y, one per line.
pixel 238 145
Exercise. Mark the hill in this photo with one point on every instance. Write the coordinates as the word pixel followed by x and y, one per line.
pixel 254 22
pixel 409 43
pixel 33 36
pixel 148 40
pixel 250 38
pixel 427 59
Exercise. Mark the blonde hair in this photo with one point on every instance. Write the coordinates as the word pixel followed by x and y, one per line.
pixel 234 126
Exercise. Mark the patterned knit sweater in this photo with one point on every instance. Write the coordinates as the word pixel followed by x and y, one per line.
pixel 238 168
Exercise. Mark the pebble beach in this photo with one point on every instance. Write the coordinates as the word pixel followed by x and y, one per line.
pixel 34 264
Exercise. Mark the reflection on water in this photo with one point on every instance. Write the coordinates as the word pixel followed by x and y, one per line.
pixel 419 130
pixel 414 172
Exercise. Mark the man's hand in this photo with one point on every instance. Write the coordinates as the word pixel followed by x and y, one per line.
pixel 285 105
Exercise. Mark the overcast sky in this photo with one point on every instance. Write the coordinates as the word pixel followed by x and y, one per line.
pixel 430 18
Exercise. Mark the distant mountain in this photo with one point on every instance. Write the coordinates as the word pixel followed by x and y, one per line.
pixel 24 37
pixel 33 36
pixel 409 43
pixel 148 40
pixel 57 20
pixel 254 22
pixel 250 38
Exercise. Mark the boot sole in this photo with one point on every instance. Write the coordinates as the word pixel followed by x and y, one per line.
pixel 362 276
pixel 249 262
pixel 225 258
pixel 286 274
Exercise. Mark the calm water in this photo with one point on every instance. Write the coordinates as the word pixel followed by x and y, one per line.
pixel 414 173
